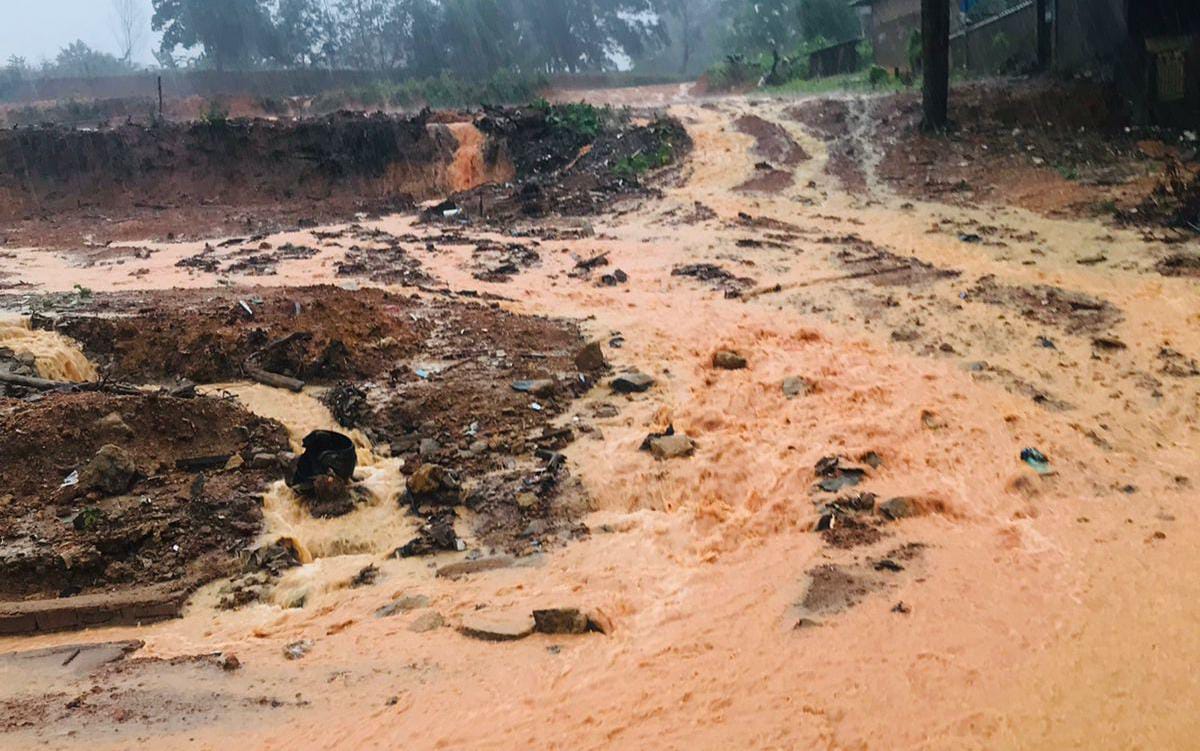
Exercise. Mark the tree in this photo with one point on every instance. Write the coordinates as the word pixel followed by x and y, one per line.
pixel 129 27
pixel 77 60
pixel 787 25
pixel 305 33
pixel 232 33
pixel 935 40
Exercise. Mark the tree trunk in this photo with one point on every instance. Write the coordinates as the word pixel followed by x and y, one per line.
pixel 1044 28
pixel 935 44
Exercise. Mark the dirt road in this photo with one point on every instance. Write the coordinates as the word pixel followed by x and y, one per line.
pixel 997 607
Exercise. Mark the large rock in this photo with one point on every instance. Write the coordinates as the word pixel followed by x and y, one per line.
pixel 429 620
pixel 797 386
pixel 726 359
pixel 631 383
pixel 672 446
pixel 590 359
pixel 110 471
pixel 497 626
pixel 560 621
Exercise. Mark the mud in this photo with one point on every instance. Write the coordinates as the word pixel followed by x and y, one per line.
pixel 771 141
pixel 183 518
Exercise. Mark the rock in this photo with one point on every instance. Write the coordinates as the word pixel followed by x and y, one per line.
pixel 497 626
pixel 428 448
pixel 297 649
pixel 366 576
pixel 230 663
pixel 436 535
pixel 631 383
pixel 590 359
pixel 111 471
pixel 605 411
pixel 113 427
pixel 403 605
pixel 672 446
pixel 897 508
pixel 527 500
pixel 431 479
pixel 728 360
pixel 330 497
pixel 560 621
pixel 427 621
pixel 599 622
pixel 463 568
pixel 264 461
pixel 797 386
pixel 235 462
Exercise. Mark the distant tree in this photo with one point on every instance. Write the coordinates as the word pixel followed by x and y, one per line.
pixel 305 33
pixel 232 33
pixel 129 27
pixel 832 20
pixel 77 60
pixel 786 25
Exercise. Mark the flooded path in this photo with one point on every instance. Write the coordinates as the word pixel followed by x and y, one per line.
pixel 1018 610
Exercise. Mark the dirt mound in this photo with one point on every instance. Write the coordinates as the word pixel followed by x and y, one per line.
pixel 829 119
pixel 208 335
pixel 104 493
pixel 1074 312
pixel 556 176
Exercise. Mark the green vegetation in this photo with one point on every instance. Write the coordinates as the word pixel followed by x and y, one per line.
pixel 860 81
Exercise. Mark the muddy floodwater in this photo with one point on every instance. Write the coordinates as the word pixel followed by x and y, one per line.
pixel 853 551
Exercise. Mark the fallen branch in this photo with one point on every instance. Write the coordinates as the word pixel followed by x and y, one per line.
pixel 29 382
pixel 261 375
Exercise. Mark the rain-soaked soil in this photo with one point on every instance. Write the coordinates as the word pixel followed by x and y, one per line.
pixel 103 493
pixel 612 434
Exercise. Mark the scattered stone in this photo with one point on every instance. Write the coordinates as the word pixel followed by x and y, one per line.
pixel 110 471
pixel 932 420
pixel 497 627
pixel 631 383
pixel 526 500
pixel 605 411
pixel 435 535
pixel 804 623
pixel 230 663
pixel 429 620
pixel 463 568
pixel 901 608
pixel 835 476
pixel 590 359
pixel 264 461
pixel 433 484
pixel 897 508
pixel 297 649
pixel 560 621
pixel 672 446
pixel 797 386
pixel 403 605
pixel 728 360
pixel 599 622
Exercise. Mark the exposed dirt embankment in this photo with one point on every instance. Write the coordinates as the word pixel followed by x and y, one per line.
pixel 186 178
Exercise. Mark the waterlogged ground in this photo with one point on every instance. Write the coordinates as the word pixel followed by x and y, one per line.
pixel 1004 609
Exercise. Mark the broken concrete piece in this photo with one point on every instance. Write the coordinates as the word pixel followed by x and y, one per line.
pixel 497 626
pixel 726 359
pixel 672 446
pixel 540 387
pixel 297 649
pixel 463 568
pixel 631 383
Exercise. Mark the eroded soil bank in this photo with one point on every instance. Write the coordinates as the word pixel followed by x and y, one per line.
pixel 852 452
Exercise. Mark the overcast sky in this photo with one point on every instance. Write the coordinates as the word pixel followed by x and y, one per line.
pixel 38 29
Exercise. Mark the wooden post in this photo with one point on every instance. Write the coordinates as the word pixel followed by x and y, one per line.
pixel 160 101
pixel 935 49
pixel 1045 48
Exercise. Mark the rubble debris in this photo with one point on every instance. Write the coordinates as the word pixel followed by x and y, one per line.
pixel 433 485
pixel 1037 461
pixel 717 277
pixel 429 620
pixel 590 359
pixel 795 386
pixel 298 649
pixel 347 403
pixel 672 446
pixel 475 566
pixel 111 471
pixel 898 508
pixel 434 536
pixel 835 475
pixel 366 577
pixel 403 605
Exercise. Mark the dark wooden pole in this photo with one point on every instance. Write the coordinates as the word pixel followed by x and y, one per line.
pixel 160 101
pixel 1044 46
pixel 935 44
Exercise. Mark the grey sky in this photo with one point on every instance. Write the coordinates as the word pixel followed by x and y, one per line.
pixel 38 29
